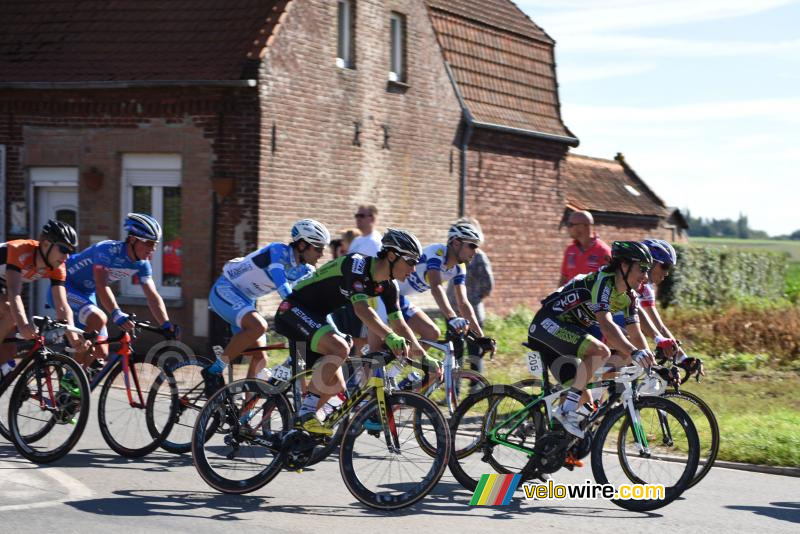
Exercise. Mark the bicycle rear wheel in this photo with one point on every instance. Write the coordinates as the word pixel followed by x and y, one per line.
pixel 236 445
pixel 48 408
pixel 391 479
pixel 122 409
pixel 670 458
pixel 707 429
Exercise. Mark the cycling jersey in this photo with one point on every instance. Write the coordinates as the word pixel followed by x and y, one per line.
pixel 20 255
pixel 647 295
pixel 110 256
pixel 432 259
pixel 270 268
pixel 303 314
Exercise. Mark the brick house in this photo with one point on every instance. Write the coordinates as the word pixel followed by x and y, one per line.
pixel 230 120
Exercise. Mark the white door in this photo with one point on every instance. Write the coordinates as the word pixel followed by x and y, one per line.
pixel 52 202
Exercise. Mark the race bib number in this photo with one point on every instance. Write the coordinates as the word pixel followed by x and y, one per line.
pixel 535 364
pixel 282 373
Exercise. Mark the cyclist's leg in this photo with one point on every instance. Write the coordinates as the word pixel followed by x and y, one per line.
pixel 88 316
pixel 421 324
pixel 240 313
pixel 7 329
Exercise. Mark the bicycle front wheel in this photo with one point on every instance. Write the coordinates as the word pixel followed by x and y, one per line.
pixel 122 409
pixel 48 408
pixel 705 423
pixel 664 451
pixel 394 476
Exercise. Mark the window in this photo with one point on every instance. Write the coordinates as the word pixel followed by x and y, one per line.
pixel 397 71
pixel 152 185
pixel 344 53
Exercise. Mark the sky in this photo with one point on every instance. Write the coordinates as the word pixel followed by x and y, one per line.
pixel 701 96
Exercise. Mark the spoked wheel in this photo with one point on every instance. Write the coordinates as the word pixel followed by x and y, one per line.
pixel 465 383
pixel 669 456
pixel 122 408
pixel 236 445
pixel 707 429
pixel 175 400
pixel 48 408
pixel 491 410
pixel 393 471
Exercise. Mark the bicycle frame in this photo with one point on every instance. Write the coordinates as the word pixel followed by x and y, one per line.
pixel 37 350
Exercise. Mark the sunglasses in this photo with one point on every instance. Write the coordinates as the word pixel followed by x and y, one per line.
pixel 473 246
pixel 644 268
pixel 147 242
pixel 65 249
pixel 318 249
pixel 361 215
pixel 411 262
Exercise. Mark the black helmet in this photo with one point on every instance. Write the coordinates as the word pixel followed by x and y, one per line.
pixel 402 242
pixel 631 251
pixel 60 233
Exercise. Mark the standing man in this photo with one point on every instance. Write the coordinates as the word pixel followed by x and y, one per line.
pixel 587 253
pixel 369 243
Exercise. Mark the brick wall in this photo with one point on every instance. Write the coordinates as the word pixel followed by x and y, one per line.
pixel 513 188
pixel 316 170
pixel 216 133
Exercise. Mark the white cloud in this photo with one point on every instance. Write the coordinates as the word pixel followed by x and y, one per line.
pixel 580 73
pixel 593 16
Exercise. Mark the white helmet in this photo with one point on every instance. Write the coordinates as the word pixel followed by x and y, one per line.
pixel 312 232
pixel 466 232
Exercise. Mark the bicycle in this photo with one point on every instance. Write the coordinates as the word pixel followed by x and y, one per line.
pixel 514 432
pixel 253 440
pixel 49 403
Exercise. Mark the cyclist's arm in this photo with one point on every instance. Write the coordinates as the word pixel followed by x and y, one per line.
pixel 14 289
pixel 277 273
pixel 466 309
pixel 64 312
pixel 370 318
pixel 155 302
pixel 437 290
pixel 636 336
pixel 654 317
pixel 614 336
pixel 400 327
pixel 104 293
pixel 646 324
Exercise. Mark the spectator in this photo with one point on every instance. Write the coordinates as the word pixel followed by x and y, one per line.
pixel 369 243
pixel 340 247
pixel 587 253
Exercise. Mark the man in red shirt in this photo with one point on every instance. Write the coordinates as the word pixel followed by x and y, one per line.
pixel 587 253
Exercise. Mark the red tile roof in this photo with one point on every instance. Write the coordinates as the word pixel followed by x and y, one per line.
pixel 502 64
pixel 115 40
pixel 610 186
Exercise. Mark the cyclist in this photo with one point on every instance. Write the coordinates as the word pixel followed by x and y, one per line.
pixel 91 271
pixel 560 330
pixel 665 259
pixel 26 260
pixel 438 264
pixel 301 317
pixel 275 267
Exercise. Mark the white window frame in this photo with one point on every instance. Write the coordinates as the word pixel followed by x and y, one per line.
pixel 157 171
pixel 397 52
pixel 3 199
pixel 344 34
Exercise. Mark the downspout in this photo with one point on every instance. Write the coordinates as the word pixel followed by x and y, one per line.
pixel 469 127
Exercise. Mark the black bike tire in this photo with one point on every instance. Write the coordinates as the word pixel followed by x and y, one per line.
pixel 19 441
pixel 702 470
pixel 671 493
pixel 199 439
pixel 355 429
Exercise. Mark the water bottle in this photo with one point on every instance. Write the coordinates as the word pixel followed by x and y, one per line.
pixel 408 383
pixel 334 403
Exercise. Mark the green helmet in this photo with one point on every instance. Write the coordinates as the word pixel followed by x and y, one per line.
pixel 631 251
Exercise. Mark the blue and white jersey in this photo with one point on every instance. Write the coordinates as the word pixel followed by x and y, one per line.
pixel 111 256
pixel 432 259
pixel 266 270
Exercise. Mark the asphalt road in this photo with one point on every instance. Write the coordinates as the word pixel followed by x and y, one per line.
pixel 94 490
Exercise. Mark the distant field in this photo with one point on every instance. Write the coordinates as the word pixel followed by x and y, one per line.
pixel 791 247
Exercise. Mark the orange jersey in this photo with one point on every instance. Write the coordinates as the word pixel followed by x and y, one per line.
pixel 19 255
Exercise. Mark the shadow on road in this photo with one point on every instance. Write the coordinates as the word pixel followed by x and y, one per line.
pixel 785 511
pixel 155 462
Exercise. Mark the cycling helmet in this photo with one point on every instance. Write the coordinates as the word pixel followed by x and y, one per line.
pixel 60 233
pixel 402 242
pixel 312 232
pixel 466 232
pixel 144 226
pixel 631 251
pixel 661 251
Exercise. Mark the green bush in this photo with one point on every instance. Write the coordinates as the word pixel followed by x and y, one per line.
pixel 713 276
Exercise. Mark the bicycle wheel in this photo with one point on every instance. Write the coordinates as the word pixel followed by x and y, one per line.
pixel 48 408
pixel 241 452
pixel 391 479
pixel 176 398
pixel 5 395
pixel 122 409
pixel 707 429
pixel 465 382
pixel 492 409
pixel 670 459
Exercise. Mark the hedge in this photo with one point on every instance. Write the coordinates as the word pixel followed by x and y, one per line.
pixel 713 276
